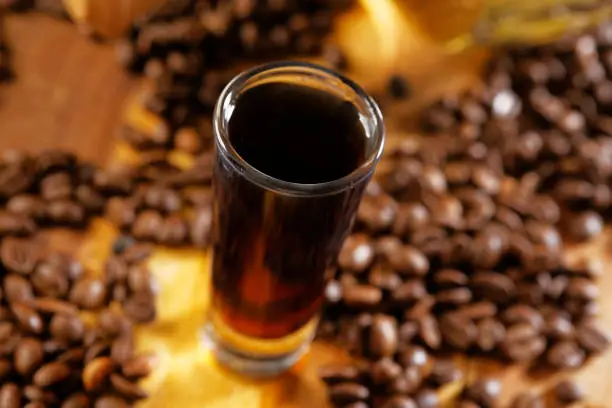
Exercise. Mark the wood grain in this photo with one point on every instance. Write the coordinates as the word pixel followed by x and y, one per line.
pixel 70 94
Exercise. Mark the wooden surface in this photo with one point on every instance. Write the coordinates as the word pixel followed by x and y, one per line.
pixel 70 93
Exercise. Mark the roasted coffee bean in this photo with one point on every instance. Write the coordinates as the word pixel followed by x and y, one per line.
pixel 362 296
pixel 407 383
pixel 409 261
pixel 592 338
pixel 173 231
pixel 484 392
pixel 384 277
pixel 565 354
pixel 66 212
pixel 384 371
pixel 67 328
pixel 383 339
pixel 583 289
pixel 410 217
pixel 127 388
pixel 89 293
pixel 430 332
pixel 57 186
pixel 527 400
pixel 478 310
pixel 568 392
pixel 76 400
pixel 377 213
pixel 96 373
pixel 346 393
pixel 110 401
pixel 28 355
pixel 409 292
pixel 457 296
pixel 413 356
pixel 89 198
pixel 444 372
pixel 139 280
pixel 121 211
pixel 72 356
pixel 522 343
pixel 13 224
pixel 19 255
pixel 51 373
pixel 39 396
pixel 146 225
pixel 399 401
pixel 356 254
pixel 17 289
pixel 490 332
pixel 427 398
pixel 50 280
pixel 139 366
pixel 558 326
pixel 584 226
pixel 122 348
pixel 140 308
pixel 113 322
pixel 457 331
pixel 26 205
pixel 493 286
pixel 28 318
pixel 53 306
pixel 521 313
pixel 10 396
pixel 450 277
pixel 6 368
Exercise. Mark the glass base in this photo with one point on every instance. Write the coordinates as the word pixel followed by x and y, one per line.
pixel 250 365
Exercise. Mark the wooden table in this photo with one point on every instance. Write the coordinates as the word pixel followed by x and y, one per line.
pixel 70 94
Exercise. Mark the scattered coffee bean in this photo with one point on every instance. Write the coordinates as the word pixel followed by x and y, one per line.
pixel 568 392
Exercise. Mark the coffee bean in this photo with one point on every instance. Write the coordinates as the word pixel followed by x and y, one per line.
pixel 457 296
pixel 409 291
pixel 484 392
pixel 377 213
pixel 430 332
pixel 584 226
pixel 356 254
pixel 121 211
pixel 51 373
pixel 39 396
pixel 50 280
pixel 458 331
pixel 399 402
pixel 527 400
pixel 6 368
pixel 146 225
pixel 139 366
pixel 28 318
pixel 10 396
pixel 140 308
pixel 565 354
pixel 66 212
pixel 112 322
pixel 592 338
pixel 57 186
pixel 493 286
pixel 346 393
pixel 173 231
pixel 384 371
pixel 407 383
pixel 72 356
pixel 522 343
pixel 444 372
pixel 450 277
pixel 362 296
pixel 67 328
pixel 558 326
pixel 478 310
pixel 568 392
pixel 122 348
pixel 88 293
pixel 582 288
pixel 427 398
pixel 28 355
pixel 97 372
pixel 409 261
pixel 383 336
pixel 410 217
pixel 17 289
pixel 127 388
pixel 490 332
pixel 76 400
pixel 19 255
pixel 26 205
pixel 110 401
pixel 139 280
pixel 53 306
pixel 521 313
pixel 413 356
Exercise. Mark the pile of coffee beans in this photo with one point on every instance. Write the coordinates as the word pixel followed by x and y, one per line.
pixel 187 50
pixel 52 188
pixel 458 242
pixel 547 111
pixel 163 204
pixel 66 336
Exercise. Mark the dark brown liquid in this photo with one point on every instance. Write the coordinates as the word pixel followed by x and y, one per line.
pixel 271 250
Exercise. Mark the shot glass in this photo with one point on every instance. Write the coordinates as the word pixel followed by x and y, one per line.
pixel 296 145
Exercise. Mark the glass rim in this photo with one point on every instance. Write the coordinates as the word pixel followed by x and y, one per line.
pixel 375 130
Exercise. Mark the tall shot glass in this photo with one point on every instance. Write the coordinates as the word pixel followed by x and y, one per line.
pixel 296 145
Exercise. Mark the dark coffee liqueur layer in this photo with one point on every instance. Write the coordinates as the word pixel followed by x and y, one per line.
pixel 272 250
pixel 297 133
